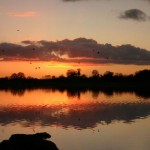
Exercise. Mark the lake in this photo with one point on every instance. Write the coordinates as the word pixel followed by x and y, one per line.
pixel 78 120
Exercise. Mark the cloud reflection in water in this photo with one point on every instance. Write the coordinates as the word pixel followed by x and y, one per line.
pixel 79 116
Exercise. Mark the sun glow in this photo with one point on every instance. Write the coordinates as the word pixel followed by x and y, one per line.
pixel 40 69
pixel 58 65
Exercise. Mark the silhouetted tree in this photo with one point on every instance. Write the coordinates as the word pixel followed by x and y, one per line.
pixel 83 76
pixel 13 76
pixel 72 73
pixel 29 78
pixel 95 73
pixel 118 76
pixel 61 77
pixel 142 75
pixel 108 75
pixel 19 75
pixel 53 77
pixel 76 80
pixel 47 77
pixel 78 72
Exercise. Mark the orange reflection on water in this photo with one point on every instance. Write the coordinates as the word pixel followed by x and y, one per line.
pixel 76 115
pixel 84 114
pixel 35 97
pixel 49 97
pixel 66 108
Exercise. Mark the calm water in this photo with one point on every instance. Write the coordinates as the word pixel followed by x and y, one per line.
pixel 78 120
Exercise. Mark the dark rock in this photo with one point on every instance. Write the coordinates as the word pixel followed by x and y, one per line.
pixel 28 142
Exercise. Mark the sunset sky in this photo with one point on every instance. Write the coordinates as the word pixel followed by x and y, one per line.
pixel 41 37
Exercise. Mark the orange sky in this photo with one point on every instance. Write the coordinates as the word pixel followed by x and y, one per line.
pixel 106 35
pixel 56 68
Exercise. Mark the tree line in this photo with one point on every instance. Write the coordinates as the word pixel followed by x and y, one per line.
pixel 76 80
pixel 72 74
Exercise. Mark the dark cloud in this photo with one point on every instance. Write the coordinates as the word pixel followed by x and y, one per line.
pixel 147 0
pixel 28 42
pixel 73 0
pixel 134 14
pixel 80 49
pixel 70 0
pixel 82 0
pixel 91 0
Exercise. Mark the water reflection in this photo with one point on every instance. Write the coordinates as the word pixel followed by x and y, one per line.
pixel 78 116
pixel 76 93
pixel 71 108
pixel 92 118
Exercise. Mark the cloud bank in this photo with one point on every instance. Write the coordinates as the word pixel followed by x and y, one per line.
pixel 77 50
pixel 93 0
pixel 75 0
pixel 134 14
